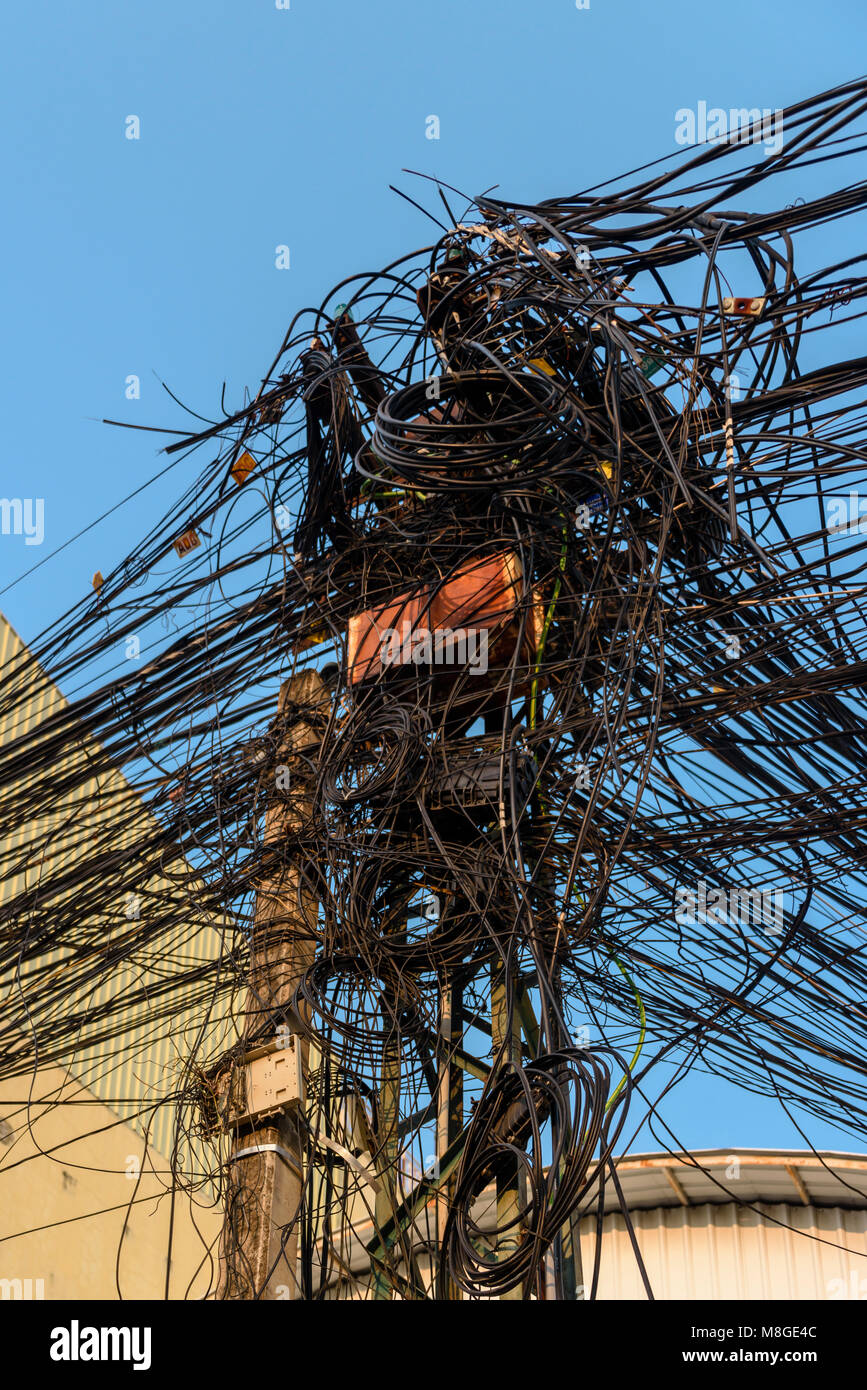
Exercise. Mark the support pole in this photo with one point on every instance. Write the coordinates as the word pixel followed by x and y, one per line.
pixel 259 1245
pixel 450 1103
pixel 568 1268
pixel 505 1028
pixel 387 1199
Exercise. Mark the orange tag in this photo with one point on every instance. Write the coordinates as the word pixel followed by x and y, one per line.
pixel 187 542
pixel 242 468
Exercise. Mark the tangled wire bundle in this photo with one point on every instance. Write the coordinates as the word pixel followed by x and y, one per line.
pixel 547 508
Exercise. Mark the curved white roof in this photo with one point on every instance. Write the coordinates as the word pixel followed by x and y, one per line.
pixel 794 1176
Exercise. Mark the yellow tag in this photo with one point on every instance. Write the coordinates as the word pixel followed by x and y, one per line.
pixel 541 365
pixel 242 468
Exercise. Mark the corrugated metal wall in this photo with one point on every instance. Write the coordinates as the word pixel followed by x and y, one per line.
pixel 721 1251
pixel 141 1060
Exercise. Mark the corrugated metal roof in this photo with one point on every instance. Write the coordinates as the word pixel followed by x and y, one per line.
pixel 742 1175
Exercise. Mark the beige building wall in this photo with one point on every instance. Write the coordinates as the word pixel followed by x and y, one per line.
pixel 84 1204
pixel 66 1212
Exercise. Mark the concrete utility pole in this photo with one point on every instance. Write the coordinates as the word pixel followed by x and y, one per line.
pixel 450 1103
pixel 506 1035
pixel 259 1245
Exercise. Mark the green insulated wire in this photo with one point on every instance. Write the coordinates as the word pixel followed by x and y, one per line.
pixel 641 1015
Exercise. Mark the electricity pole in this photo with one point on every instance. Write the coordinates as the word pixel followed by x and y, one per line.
pixel 259 1244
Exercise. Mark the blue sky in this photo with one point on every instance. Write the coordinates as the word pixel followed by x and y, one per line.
pixel 262 127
